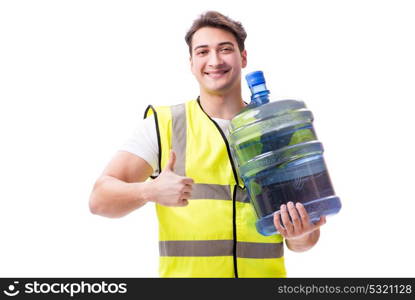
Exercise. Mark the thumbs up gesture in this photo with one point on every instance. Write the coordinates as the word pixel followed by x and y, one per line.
pixel 170 189
pixel 171 162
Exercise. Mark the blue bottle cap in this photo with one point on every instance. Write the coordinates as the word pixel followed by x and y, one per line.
pixel 259 92
pixel 255 78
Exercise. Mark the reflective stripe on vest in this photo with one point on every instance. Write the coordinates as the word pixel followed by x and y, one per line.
pixel 198 240
pixel 220 248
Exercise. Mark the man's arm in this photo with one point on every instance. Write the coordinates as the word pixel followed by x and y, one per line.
pixel 122 187
pixel 299 233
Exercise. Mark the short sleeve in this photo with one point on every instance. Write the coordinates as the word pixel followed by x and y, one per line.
pixel 143 142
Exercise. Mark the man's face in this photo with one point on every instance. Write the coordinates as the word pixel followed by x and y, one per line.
pixel 216 60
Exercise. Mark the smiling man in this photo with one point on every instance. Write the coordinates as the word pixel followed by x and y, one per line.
pixel 206 224
pixel 216 62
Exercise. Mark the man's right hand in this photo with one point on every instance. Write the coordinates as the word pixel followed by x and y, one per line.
pixel 170 189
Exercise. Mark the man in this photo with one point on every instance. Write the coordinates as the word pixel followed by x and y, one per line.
pixel 206 224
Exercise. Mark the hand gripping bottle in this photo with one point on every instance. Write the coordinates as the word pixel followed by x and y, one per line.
pixel 278 157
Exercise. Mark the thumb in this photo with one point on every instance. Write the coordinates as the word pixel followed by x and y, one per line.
pixel 171 162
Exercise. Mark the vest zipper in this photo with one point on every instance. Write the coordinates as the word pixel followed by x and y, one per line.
pixel 235 265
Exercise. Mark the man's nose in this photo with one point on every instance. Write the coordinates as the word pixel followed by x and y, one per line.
pixel 214 59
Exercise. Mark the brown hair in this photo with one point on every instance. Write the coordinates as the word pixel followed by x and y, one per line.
pixel 217 20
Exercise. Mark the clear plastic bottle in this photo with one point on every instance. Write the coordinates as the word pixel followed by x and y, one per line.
pixel 279 158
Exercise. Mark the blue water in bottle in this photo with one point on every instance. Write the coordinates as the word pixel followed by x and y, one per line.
pixel 279 158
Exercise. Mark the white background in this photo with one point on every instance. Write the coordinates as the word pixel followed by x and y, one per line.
pixel 76 76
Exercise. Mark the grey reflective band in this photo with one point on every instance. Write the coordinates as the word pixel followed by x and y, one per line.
pixel 259 250
pixel 218 192
pixel 221 248
pixel 179 130
pixel 196 248
pixel 211 191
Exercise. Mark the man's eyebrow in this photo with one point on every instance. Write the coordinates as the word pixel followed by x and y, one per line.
pixel 200 46
pixel 220 44
pixel 225 43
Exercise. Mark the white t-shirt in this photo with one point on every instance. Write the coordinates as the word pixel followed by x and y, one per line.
pixel 143 141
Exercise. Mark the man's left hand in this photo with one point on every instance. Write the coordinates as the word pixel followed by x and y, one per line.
pixel 299 226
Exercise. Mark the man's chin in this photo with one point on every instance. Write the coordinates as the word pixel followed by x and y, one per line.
pixel 217 92
pixel 223 87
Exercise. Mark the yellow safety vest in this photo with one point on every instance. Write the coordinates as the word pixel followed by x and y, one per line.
pixel 215 235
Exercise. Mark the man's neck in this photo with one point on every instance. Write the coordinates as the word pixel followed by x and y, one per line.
pixel 224 106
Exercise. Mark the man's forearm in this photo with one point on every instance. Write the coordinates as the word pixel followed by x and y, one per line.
pixel 114 198
pixel 303 243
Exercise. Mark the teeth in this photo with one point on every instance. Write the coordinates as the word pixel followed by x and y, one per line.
pixel 220 72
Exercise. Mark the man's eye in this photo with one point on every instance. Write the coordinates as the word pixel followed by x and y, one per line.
pixel 202 52
pixel 227 49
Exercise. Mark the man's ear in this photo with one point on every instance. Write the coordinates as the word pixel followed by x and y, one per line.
pixel 244 59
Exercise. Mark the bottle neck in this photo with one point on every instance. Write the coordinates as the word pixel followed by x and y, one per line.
pixel 260 99
pixel 259 91
pixel 259 94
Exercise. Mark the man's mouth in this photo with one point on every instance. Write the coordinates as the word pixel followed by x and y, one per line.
pixel 216 74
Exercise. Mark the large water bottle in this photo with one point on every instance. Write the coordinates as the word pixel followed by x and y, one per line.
pixel 279 158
